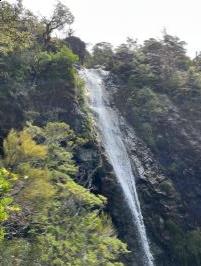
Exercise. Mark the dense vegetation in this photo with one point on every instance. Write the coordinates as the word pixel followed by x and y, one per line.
pixel 48 213
pixel 159 92
pixel 46 217
pixel 37 73
pixel 153 76
pixel 55 220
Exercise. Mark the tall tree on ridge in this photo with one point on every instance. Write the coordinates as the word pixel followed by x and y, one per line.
pixel 60 17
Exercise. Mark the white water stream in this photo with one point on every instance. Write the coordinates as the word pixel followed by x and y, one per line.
pixel 113 141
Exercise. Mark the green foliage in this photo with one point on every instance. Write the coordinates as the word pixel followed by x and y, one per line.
pixel 60 141
pixel 27 158
pixel 64 56
pixel 19 147
pixel 81 195
pixel 150 101
pixel 102 55
pixel 31 68
pixel 77 46
pixel 53 67
pixel 6 206
pixel 15 252
pixel 59 222
pixel 66 221
pixel 15 24
pixel 158 87
pixel 159 92
pixel 88 235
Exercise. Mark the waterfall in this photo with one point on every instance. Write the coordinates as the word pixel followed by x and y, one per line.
pixel 113 141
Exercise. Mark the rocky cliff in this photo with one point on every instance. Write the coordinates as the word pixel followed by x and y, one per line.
pixel 168 174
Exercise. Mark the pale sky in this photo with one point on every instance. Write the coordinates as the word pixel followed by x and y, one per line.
pixel 115 20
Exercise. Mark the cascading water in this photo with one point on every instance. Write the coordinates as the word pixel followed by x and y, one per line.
pixel 112 139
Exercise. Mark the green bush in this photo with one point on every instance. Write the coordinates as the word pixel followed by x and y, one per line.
pixel 66 222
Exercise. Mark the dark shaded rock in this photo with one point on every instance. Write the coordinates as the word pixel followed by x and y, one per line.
pixel 164 196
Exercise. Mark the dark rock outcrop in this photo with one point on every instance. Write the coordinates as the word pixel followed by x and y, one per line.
pixel 168 173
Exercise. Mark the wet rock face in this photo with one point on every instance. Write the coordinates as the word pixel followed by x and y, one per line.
pixel 96 172
pixel 157 203
pixel 158 196
pixel 168 172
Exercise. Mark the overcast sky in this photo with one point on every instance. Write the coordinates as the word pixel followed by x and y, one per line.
pixel 115 20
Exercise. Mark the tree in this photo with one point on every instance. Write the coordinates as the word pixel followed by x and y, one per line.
pixel 153 51
pixel 60 17
pixel 103 54
pixel 165 57
pixel 124 59
pixel 175 52
pixel 77 46
pixel 16 24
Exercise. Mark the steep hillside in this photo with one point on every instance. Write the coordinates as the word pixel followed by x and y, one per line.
pixel 51 213
pixel 60 200
pixel 157 88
